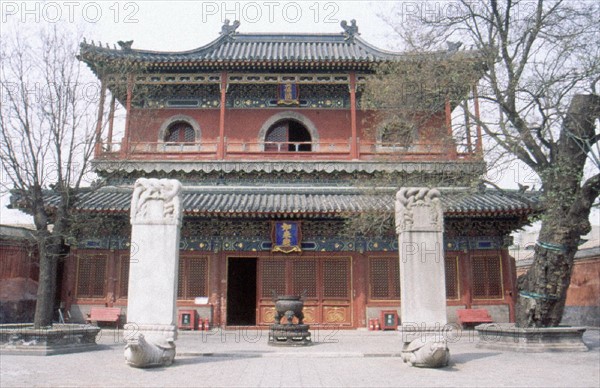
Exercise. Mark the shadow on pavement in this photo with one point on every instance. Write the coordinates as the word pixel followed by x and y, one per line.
pixel 461 358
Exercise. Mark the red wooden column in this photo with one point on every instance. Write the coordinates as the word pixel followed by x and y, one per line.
pixel 113 276
pixel 215 287
pixel 359 290
pixel 466 279
pixel 479 141
pixel 125 144
pixel 468 128
pixel 221 145
pixel 98 141
pixel 111 122
pixel 451 145
pixel 354 152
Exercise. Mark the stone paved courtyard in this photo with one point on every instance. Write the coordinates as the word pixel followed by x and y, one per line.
pixel 242 358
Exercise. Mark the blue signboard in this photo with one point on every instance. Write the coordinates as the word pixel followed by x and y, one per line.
pixel 286 237
pixel 287 94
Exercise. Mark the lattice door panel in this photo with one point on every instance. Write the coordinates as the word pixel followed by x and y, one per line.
pixel 180 280
pixel 304 278
pixel 197 277
pixel 91 276
pixel 452 287
pixel 193 277
pixel 487 277
pixel 336 279
pixel 180 132
pixel 273 275
pixel 278 134
pixel 384 278
pixel 123 276
pixel 327 283
pixel 189 135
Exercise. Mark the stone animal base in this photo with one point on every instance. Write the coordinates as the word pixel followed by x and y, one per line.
pixel 289 335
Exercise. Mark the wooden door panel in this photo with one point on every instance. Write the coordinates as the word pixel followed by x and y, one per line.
pixel 340 315
pixel 327 281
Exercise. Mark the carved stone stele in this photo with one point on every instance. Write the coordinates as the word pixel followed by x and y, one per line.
pixel 418 209
pixel 420 226
pixel 156 201
pixel 151 328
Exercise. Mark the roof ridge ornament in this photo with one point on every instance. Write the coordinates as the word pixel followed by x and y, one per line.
pixel 125 46
pixel 228 29
pixel 453 46
pixel 350 30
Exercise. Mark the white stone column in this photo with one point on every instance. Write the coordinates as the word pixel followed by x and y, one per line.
pixel 420 227
pixel 151 328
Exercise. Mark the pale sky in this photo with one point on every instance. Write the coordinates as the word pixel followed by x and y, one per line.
pixel 185 25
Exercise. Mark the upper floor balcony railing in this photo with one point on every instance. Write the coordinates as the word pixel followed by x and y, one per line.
pixel 235 149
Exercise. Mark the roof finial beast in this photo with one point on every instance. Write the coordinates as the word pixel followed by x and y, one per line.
pixel 125 46
pixel 228 29
pixel 350 30
pixel 453 46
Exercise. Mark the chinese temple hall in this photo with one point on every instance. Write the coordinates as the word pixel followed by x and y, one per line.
pixel 278 159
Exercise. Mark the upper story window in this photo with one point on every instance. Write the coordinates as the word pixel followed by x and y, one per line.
pixel 288 136
pixel 180 132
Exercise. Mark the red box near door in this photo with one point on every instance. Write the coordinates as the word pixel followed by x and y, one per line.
pixel 389 320
pixel 188 320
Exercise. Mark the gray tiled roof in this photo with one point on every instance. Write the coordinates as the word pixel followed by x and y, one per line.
pixel 255 48
pixel 344 50
pixel 296 201
pixel 17 232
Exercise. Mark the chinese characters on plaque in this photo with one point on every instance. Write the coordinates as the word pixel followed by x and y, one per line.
pixel 286 237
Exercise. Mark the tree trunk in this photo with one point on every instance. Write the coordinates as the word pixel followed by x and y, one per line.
pixel 44 308
pixel 543 289
pixel 51 249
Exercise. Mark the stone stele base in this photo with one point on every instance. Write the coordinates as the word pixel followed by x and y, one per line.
pixel 23 339
pixel 424 347
pixel 506 336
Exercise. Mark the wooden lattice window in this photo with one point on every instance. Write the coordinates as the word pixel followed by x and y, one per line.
pixel 180 132
pixel 384 278
pixel 193 277
pixel 273 277
pixel 288 135
pixel 304 277
pixel 336 278
pixel 123 276
pixel 452 290
pixel 91 276
pixel 487 277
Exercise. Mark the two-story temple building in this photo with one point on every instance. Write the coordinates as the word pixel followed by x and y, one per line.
pixel 276 154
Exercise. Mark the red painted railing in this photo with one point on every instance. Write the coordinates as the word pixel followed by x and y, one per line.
pixel 324 150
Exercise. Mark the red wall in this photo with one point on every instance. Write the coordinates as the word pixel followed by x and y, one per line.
pixel 245 124
pixel 585 284
pixel 18 261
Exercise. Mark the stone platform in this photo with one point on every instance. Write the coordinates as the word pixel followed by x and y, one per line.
pixel 241 357
pixel 506 336
pixel 58 339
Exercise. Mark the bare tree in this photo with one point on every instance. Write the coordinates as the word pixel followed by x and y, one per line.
pixel 540 104
pixel 48 118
